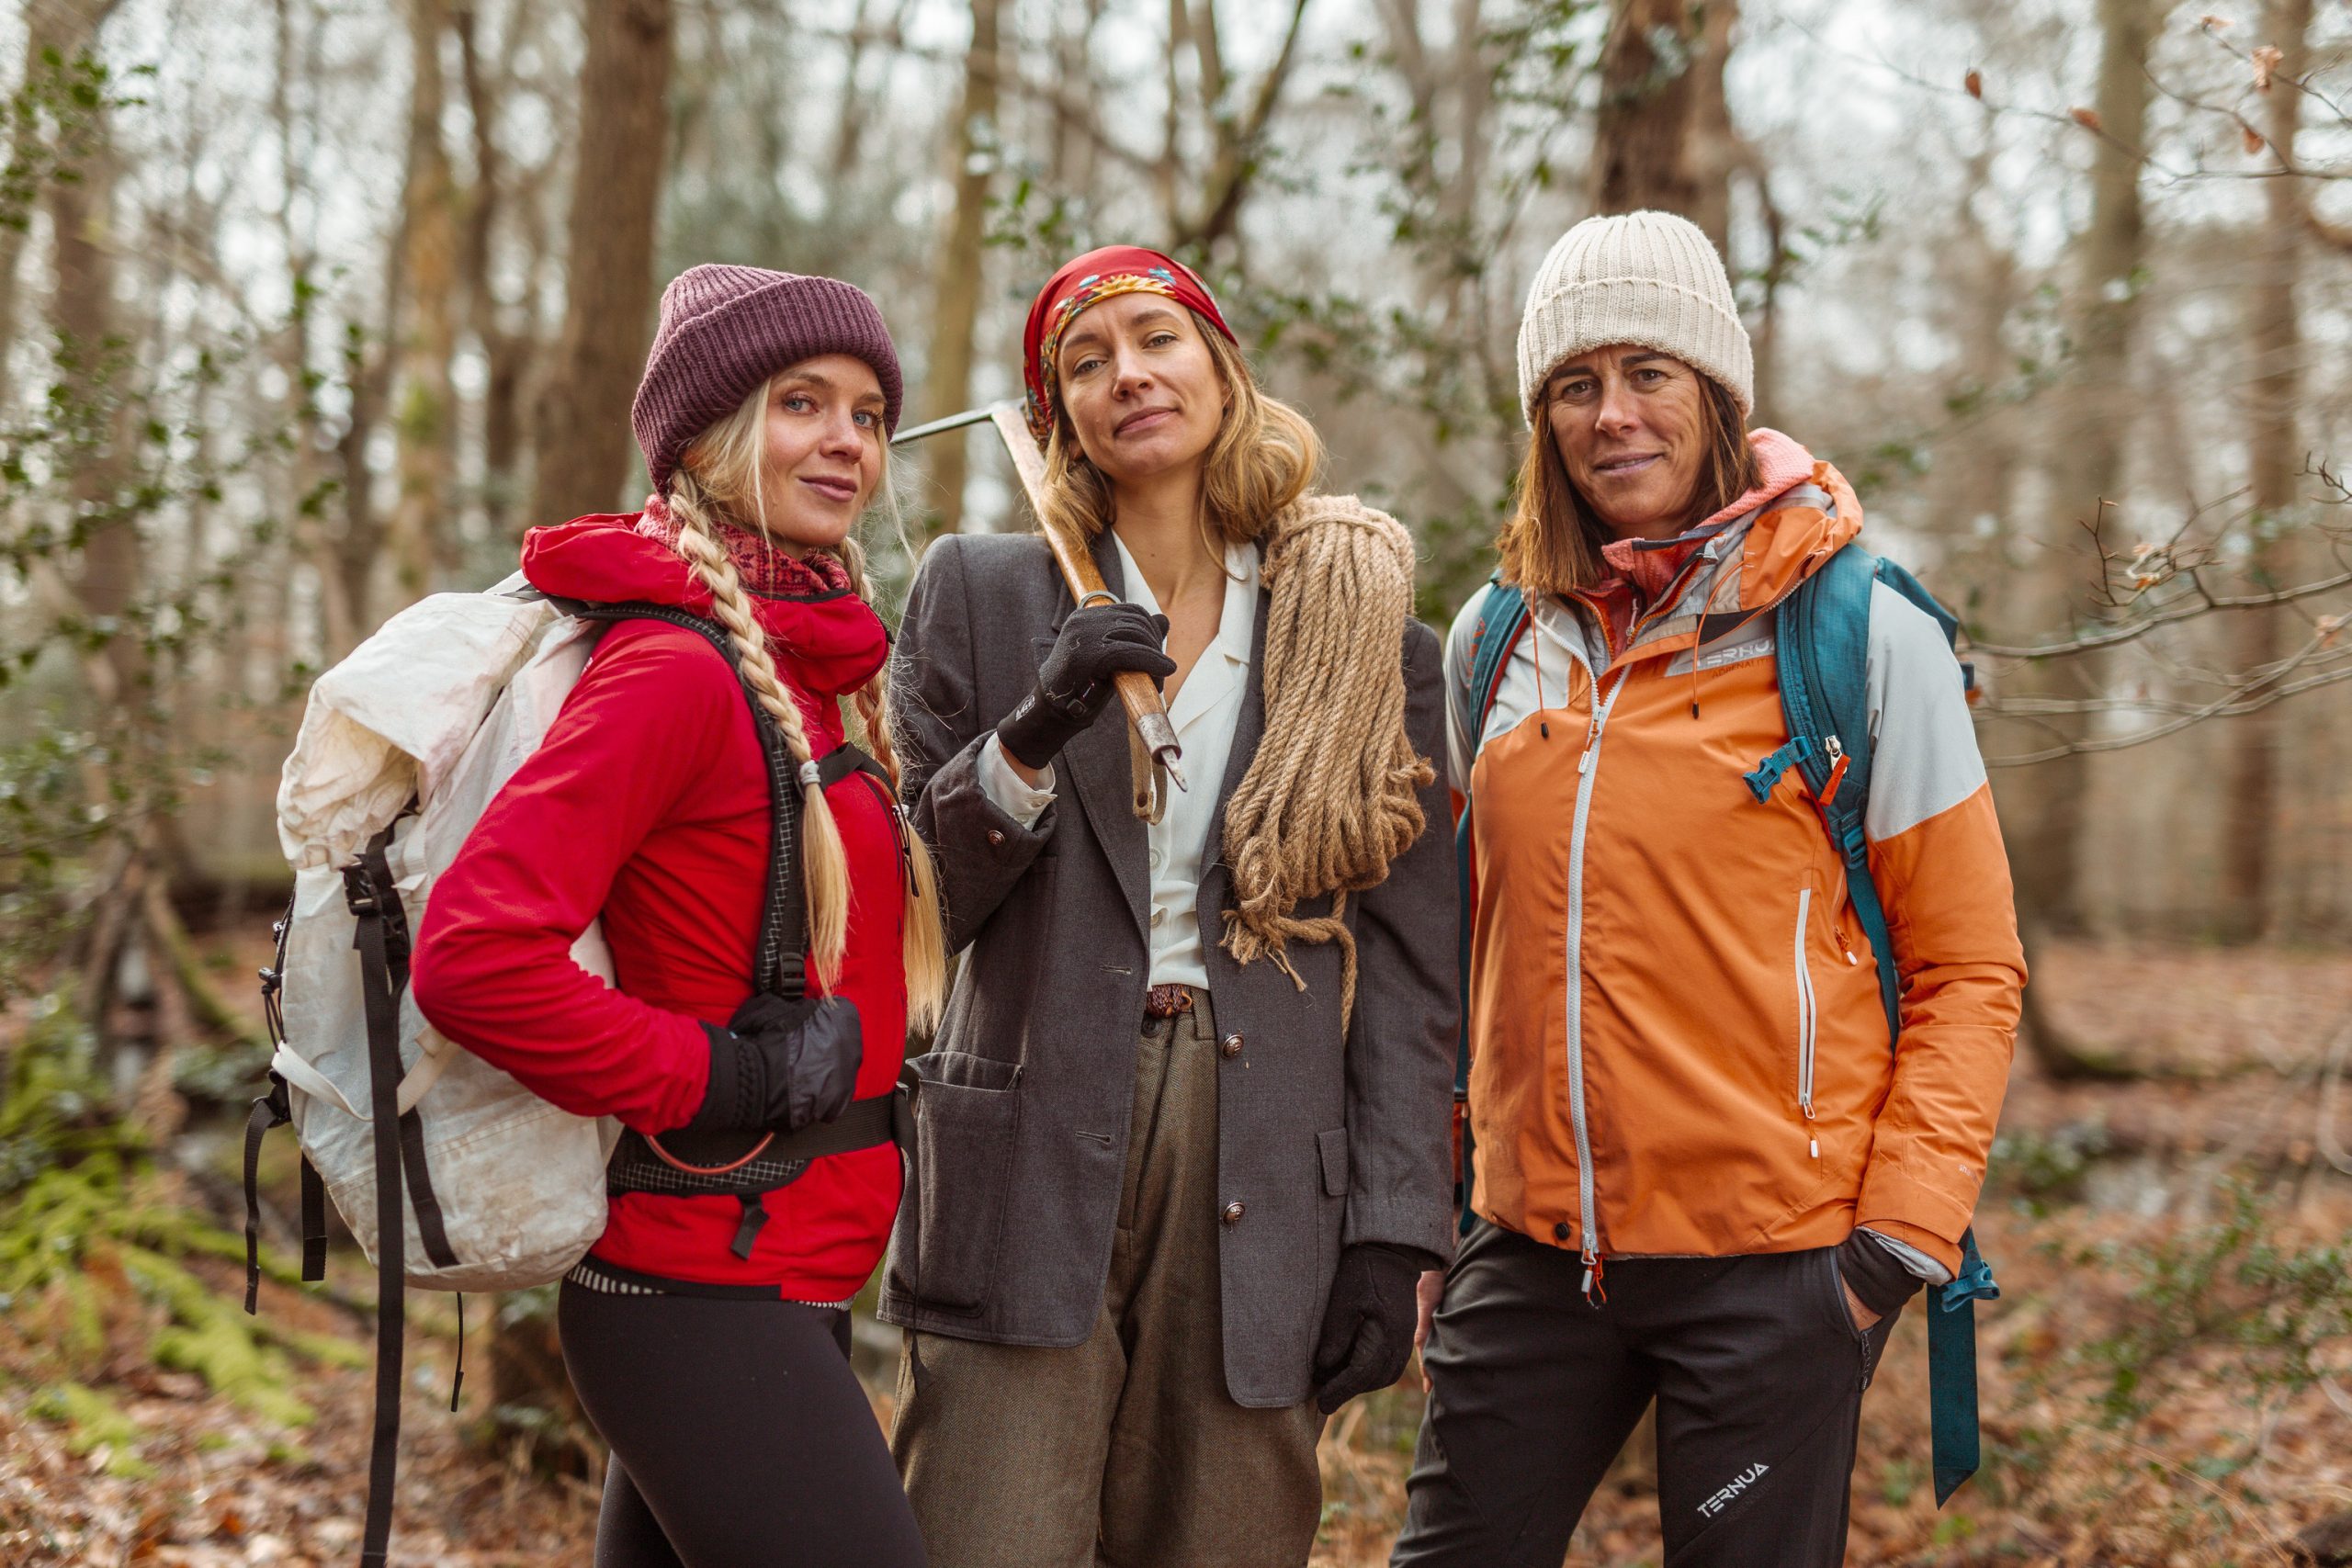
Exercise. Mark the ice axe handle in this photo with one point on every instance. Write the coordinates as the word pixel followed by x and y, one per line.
pixel 1151 739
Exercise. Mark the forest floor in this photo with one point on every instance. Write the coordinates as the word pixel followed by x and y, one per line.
pixel 2167 1378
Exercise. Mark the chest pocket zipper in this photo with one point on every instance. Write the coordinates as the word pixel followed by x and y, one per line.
pixel 1805 1018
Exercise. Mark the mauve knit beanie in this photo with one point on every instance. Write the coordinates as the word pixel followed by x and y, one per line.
pixel 727 329
pixel 1648 278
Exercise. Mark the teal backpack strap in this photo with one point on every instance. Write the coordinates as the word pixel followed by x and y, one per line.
pixel 1502 620
pixel 1822 645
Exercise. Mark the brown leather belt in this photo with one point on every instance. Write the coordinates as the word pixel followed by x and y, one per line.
pixel 1166 1002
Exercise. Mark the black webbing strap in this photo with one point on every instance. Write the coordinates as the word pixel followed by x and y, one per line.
pixel 314 1223
pixel 755 1218
pixel 267 1112
pixel 844 760
pixel 272 1109
pixel 430 1228
pixel 393 918
pixel 866 1123
pixel 779 964
pixel 363 895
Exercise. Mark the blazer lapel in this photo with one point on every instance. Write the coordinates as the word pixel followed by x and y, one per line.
pixel 1099 772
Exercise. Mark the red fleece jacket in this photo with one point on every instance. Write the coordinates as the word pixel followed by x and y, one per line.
pixel 648 805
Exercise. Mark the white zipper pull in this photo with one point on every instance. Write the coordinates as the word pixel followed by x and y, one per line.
pixel 1816 1146
pixel 1583 763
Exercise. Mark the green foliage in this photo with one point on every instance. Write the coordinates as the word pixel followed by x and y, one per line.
pixel 93 1421
pixel 90 1236
pixel 53 119
pixel 111 448
pixel 2271 1308
pixel 2042 1168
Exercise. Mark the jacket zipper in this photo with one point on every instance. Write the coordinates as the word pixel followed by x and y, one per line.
pixel 1587 771
pixel 1805 1018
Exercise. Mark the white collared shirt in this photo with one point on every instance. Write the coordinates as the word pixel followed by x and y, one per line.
pixel 1206 710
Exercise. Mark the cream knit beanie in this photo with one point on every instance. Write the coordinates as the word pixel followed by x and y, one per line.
pixel 1650 279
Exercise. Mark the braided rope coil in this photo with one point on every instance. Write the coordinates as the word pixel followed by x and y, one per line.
pixel 1329 799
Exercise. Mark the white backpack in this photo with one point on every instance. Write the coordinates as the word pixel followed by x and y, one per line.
pixel 401 747
pixel 451 1175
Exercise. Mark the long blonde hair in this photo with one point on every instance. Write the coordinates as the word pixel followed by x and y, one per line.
pixel 1328 802
pixel 1263 458
pixel 721 481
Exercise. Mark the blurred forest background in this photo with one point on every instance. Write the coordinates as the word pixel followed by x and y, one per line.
pixel 308 308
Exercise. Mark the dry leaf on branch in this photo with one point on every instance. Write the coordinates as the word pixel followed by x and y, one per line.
pixel 2087 119
pixel 2266 61
pixel 2213 22
pixel 1974 83
pixel 2254 142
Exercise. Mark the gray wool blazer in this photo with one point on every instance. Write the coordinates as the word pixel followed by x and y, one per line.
pixel 1020 1117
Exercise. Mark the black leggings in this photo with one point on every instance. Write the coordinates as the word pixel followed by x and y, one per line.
pixel 739 1435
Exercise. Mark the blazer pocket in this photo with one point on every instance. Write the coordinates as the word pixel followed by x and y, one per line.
pixel 1333 1148
pixel 967 1113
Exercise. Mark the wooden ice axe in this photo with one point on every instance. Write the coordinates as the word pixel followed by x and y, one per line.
pixel 1152 750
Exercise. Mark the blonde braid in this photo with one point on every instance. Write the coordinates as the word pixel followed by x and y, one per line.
pixel 1329 797
pixel 923 945
pixel 824 864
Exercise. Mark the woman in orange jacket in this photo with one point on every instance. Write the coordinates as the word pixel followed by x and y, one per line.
pixel 1703 1175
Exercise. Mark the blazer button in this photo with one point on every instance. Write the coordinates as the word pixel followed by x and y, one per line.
pixel 996 836
pixel 1233 1213
pixel 1232 1047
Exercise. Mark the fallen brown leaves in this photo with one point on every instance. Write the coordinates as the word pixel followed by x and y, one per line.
pixel 2240 1038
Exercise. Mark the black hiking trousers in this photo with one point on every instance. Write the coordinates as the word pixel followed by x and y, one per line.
pixel 740 1435
pixel 1755 1363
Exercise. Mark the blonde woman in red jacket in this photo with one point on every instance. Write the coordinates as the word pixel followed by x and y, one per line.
pixel 706 1332
pixel 1704 1178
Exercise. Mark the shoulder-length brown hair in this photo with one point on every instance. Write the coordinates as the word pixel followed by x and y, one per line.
pixel 1264 456
pixel 1551 542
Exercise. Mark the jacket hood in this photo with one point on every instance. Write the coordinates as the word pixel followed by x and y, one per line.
pixel 1805 512
pixel 831 642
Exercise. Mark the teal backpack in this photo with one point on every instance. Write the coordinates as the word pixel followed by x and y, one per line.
pixel 1821 642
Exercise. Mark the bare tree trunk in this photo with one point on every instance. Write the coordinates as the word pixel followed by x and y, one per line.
pixel 1664 138
pixel 583 454
pixel 424 418
pixel 584 439
pixel 337 620
pixel 1072 158
pixel 1238 138
pixel 81 309
pixel 2047 805
pixel 955 296
pixel 507 353
pixel 2250 804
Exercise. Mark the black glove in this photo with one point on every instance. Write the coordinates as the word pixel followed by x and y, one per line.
pixel 1878 1278
pixel 1074 683
pixel 1368 1327
pixel 781 1065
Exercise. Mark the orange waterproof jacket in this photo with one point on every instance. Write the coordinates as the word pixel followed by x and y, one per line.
pixel 1679 1045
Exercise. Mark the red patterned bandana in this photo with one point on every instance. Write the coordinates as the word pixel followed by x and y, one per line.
pixel 1093 277
pixel 765 569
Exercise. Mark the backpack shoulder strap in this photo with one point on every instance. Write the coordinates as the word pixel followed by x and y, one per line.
pixel 1821 646
pixel 1821 642
pixel 782 959
pixel 1502 620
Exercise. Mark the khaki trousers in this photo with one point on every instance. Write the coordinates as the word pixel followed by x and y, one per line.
pixel 1124 1450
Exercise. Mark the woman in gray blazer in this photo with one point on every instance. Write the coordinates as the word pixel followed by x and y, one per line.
pixel 1182 1138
